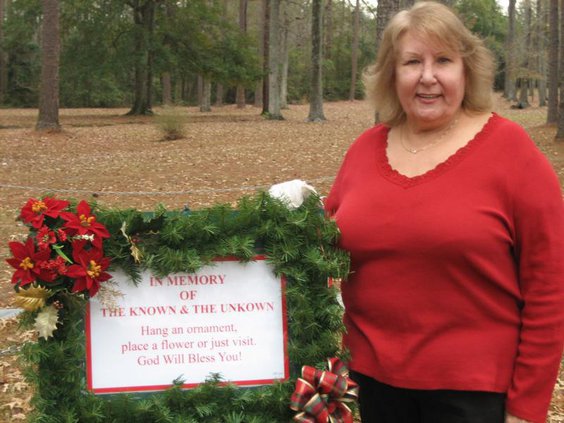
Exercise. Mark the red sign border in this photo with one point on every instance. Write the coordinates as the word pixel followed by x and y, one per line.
pixel 155 388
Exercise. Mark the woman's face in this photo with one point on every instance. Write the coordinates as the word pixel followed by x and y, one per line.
pixel 429 81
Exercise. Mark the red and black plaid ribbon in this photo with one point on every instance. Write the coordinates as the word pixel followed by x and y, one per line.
pixel 321 395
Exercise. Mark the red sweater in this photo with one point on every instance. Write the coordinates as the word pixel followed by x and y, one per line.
pixel 457 275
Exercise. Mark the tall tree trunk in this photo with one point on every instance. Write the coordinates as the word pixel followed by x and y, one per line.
pixel 143 16
pixel 523 93
pixel 560 127
pixel 166 77
pixel 166 83
pixel 3 61
pixel 316 89
pixel 205 104
pixel 243 5
pixel 541 63
pixel 274 62
pixel 552 115
pixel 265 56
pixel 509 82
pixel 219 86
pixel 525 83
pixel 285 60
pixel 259 87
pixel 50 52
pixel 200 89
pixel 219 95
pixel 140 101
pixel 560 130
pixel 240 97
pixel 328 30
pixel 354 52
pixel 150 61
pixel 384 12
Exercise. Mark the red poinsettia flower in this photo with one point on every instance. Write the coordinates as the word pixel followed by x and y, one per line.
pixel 57 265
pixel 45 237
pixel 84 223
pixel 28 263
pixel 88 270
pixel 61 235
pixel 34 211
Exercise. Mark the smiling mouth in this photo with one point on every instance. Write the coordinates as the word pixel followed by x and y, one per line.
pixel 428 96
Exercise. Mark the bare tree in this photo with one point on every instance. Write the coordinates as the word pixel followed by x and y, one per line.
pixel 552 115
pixel 48 118
pixel 316 88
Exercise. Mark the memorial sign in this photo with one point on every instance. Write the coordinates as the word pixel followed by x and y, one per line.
pixel 228 318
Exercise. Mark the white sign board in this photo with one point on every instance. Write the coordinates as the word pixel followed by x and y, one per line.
pixel 228 318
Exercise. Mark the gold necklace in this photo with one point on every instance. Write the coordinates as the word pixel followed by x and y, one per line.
pixel 441 136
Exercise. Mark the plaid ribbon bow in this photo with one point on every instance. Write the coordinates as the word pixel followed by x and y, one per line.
pixel 320 396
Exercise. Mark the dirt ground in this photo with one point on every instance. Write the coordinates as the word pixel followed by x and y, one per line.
pixel 122 161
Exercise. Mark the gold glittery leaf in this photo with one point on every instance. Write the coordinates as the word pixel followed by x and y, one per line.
pixel 46 321
pixel 32 298
pixel 135 252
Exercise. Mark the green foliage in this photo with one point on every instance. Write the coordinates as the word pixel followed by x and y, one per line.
pixel 94 62
pixel 193 38
pixel 484 18
pixel 20 44
pixel 299 244
pixel 98 50
pixel 202 42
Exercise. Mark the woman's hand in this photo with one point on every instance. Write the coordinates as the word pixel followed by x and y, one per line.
pixel 512 419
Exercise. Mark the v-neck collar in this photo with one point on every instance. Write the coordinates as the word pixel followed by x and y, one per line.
pixel 453 160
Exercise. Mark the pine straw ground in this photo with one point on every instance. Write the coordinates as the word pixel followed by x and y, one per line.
pixel 122 161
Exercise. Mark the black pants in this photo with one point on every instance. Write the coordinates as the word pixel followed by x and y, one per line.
pixel 381 403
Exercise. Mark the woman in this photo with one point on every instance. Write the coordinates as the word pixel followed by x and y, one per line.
pixel 454 223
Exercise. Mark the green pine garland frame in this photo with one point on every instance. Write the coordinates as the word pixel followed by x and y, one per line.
pixel 301 244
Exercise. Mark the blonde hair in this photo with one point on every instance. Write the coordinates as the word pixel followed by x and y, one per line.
pixel 438 24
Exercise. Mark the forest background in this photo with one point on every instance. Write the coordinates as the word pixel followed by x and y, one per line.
pixel 270 53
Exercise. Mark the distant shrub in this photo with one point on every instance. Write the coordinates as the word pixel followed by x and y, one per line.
pixel 171 124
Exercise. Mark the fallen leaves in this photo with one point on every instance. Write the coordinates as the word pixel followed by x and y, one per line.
pixel 15 393
pixel 120 161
